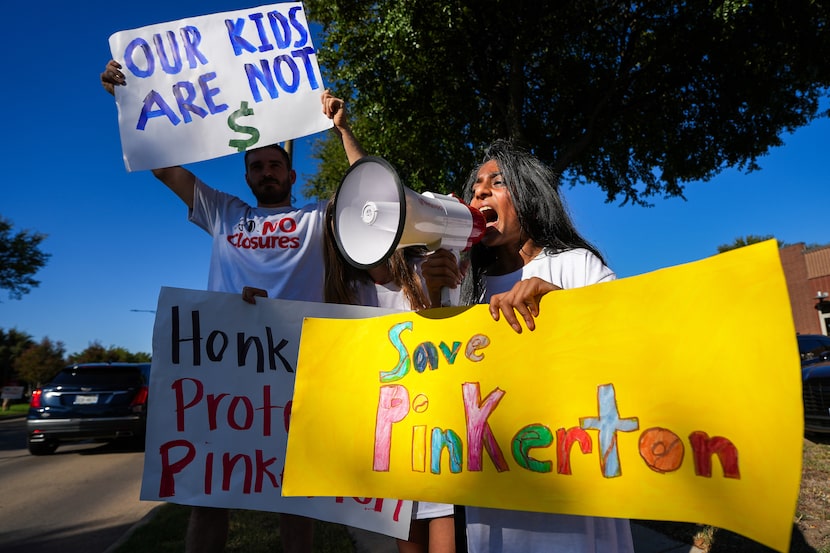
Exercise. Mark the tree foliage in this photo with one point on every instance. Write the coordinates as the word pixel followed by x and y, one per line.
pixel 22 358
pixel 96 353
pixel 747 240
pixel 12 344
pixel 40 362
pixel 639 98
pixel 333 166
pixel 20 259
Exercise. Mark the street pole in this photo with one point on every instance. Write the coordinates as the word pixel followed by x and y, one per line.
pixel 288 145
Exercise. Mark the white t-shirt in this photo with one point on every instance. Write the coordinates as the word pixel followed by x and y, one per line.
pixel 570 269
pixel 502 531
pixel 387 295
pixel 277 249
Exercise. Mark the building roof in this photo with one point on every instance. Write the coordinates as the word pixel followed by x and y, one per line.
pixel 818 262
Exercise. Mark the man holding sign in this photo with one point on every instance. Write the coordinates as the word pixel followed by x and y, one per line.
pixel 209 86
pixel 272 245
pixel 190 83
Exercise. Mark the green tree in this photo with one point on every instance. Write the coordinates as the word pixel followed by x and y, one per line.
pixel 639 98
pixel 20 258
pixel 330 171
pixel 97 353
pixel 40 362
pixel 747 240
pixel 12 344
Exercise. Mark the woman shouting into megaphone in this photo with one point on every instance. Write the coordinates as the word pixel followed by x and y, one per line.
pixel 530 248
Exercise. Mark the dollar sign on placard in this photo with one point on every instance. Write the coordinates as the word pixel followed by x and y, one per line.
pixel 239 144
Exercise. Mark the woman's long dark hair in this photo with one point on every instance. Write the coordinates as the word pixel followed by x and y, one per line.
pixel 541 212
pixel 340 283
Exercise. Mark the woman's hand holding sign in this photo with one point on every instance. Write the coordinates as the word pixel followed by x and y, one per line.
pixel 523 298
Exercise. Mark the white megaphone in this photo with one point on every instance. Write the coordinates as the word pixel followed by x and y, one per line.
pixel 374 214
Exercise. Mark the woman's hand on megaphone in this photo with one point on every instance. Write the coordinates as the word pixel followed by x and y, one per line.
pixel 523 299
pixel 440 269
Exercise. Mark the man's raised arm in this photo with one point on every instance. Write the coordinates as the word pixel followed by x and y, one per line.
pixel 335 109
pixel 178 179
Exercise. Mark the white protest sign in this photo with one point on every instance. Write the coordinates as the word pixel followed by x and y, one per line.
pixel 209 86
pixel 11 392
pixel 221 385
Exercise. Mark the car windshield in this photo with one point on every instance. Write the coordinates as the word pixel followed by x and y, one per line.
pixel 811 347
pixel 99 376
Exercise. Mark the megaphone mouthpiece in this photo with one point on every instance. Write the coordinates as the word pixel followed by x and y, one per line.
pixel 464 223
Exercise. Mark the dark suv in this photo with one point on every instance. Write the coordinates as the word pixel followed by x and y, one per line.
pixel 90 401
pixel 813 348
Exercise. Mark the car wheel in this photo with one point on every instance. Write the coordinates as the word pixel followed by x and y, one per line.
pixel 138 442
pixel 42 448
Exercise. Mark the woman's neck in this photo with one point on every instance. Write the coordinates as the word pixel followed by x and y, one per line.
pixel 507 259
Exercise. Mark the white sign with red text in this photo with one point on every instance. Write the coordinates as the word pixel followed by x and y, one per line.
pixel 221 385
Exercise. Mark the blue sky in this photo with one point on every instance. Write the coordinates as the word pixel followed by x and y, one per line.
pixel 116 238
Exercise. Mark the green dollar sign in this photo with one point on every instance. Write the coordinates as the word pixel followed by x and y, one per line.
pixel 242 145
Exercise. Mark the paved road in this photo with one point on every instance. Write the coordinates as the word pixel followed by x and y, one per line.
pixel 81 499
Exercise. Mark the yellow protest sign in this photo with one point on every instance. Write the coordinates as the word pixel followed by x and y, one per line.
pixel 674 395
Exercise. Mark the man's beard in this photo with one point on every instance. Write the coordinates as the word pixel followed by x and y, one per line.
pixel 271 196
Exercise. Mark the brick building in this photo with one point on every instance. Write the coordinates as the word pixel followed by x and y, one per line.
pixel 807 271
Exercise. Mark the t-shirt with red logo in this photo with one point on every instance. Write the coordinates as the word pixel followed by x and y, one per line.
pixel 277 249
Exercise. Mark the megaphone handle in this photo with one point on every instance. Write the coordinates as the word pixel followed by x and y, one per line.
pixel 446 300
pixel 445 297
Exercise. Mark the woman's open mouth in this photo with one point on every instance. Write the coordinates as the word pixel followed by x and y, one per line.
pixel 490 215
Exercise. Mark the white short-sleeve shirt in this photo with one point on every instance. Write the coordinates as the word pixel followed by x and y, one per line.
pixel 277 249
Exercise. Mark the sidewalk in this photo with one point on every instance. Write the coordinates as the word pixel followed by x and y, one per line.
pixel 645 541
